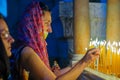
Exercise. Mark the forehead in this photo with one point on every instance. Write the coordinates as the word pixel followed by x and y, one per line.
pixel 3 25
pixel 47 16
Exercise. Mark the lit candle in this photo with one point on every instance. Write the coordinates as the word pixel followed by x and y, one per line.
pixel 119 61
pixel 113 57
pixel 101 58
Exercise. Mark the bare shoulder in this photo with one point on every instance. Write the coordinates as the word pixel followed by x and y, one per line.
pixel 33 63
pixel 27 54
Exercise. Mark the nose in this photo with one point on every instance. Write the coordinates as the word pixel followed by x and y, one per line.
pixel 49 29
pixel 11 40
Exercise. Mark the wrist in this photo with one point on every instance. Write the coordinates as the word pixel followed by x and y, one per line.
pixel 84 62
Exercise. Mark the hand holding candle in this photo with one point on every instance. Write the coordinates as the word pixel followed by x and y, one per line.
pixel 91 55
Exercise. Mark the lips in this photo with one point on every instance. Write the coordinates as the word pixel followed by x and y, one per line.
pixel 9 48
pixel 9 51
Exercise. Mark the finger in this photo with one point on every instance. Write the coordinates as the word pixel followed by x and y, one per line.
pixel 94 51
pixel 57 67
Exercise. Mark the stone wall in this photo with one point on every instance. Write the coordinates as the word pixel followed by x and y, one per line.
pixel 97 12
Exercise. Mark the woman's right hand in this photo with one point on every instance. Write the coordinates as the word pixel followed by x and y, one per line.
pixel 91 55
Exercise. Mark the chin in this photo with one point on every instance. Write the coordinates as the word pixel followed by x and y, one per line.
pixel 9 54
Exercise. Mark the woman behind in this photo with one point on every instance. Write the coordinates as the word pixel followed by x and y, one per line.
pixel 30 53
pixel 5 50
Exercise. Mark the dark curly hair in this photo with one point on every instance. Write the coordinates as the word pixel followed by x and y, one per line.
pixel 44 7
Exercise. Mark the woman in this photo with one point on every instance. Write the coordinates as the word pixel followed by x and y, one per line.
pixel 31 53
pixel 5 50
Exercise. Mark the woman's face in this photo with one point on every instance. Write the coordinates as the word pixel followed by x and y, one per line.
pixel 6 37
pixel 47 22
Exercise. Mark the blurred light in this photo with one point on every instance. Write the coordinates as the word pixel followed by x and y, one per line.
pixel 103 1
pixel 3 7
pixel 68 0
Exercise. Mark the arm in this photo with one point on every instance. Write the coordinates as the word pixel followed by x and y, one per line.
pixel 30 61
pixel 77 69
pixel 66 69
pixel 34 64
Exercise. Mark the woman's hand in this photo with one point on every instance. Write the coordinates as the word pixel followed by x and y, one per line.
pixel 56 69
pixel 91 55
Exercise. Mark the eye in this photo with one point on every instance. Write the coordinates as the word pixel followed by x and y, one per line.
pixel 46 23
pixel 5 35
